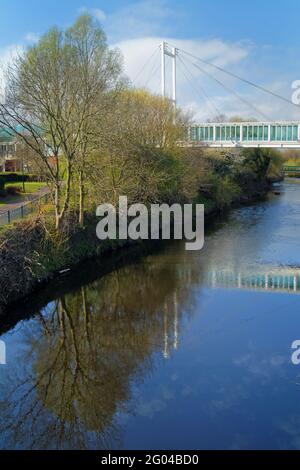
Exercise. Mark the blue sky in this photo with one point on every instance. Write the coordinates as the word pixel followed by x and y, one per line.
pixel 257 39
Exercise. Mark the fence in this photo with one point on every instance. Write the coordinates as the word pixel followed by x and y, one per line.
pixel 20 212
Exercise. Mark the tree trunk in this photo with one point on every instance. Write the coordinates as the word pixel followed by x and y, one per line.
pixel 81 199
pixel 57 205
pixel 66 198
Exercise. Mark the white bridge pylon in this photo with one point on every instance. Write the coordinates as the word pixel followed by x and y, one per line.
pixel 170 52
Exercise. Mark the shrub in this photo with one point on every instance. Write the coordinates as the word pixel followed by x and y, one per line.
pixel 275 169
pixel 258 160
pixel 13 190
pixel 224 190
pixel 18 177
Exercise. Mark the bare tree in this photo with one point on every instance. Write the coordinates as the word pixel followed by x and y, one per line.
pixel 99 70
pixel 50 100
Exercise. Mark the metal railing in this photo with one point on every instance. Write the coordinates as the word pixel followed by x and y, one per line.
pixel 29 208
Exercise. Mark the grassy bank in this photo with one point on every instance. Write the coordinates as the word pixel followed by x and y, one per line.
pixel 32 253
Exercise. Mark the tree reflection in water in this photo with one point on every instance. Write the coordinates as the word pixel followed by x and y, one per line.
pixel 85 350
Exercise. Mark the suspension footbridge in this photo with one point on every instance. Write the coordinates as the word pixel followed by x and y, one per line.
pixel 265 132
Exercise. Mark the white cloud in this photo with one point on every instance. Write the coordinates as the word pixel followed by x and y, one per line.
pixel 99 14
pixel 137 51
pixel 32 37
pixel 7 54
pixel 142 19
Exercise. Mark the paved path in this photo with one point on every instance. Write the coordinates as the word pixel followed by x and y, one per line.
pixel 21 202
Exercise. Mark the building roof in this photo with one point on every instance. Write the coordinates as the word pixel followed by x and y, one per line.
pixel 5 135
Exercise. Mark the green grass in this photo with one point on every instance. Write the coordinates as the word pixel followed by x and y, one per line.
pixel 292 162
pixel 30 188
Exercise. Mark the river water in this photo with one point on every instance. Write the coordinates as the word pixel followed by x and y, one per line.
pixel 173 350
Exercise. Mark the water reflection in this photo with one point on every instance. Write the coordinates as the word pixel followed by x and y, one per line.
pixel 84 350
pixel 177 350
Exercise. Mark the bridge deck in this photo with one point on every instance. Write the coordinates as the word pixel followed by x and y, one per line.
pixel 285 134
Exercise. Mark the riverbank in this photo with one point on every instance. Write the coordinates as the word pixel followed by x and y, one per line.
pixel 28 266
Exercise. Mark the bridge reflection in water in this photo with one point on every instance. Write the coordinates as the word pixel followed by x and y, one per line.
pixel 275 280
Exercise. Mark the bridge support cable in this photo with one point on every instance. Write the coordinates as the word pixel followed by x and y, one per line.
pixel 241 79
pixel 198 89
pixel 152 74
pixel 146 64
pixel 231 91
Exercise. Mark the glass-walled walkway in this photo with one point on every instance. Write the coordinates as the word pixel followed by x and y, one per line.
pixel 285 134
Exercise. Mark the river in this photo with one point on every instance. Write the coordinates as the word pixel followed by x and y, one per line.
pixel 172 350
